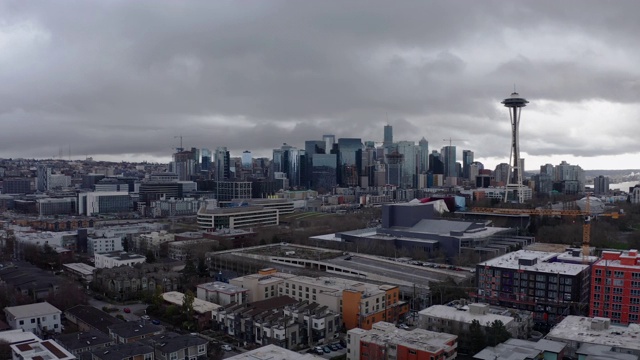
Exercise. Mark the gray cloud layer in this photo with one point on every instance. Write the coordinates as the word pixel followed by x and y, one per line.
pixel 124 77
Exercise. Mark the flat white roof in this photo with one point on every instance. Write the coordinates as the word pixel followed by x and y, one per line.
pixel 273 352
pixel 511 261
pixel 452 313
pixel 222 287
pixel 32 310
pixel 578 328
pixel 16 336
pixel 199 306
pixel 82 268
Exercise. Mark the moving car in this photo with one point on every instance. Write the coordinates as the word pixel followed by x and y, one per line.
pixel 145 317
pixel 226 347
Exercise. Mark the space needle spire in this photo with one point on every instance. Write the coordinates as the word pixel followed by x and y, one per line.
pixel 515 103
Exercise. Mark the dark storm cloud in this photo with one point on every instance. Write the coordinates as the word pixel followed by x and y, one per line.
pixel 126 77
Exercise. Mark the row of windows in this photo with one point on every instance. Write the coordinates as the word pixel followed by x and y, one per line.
pixel 617 274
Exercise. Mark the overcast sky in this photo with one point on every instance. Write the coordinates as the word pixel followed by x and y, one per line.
pixel 117 80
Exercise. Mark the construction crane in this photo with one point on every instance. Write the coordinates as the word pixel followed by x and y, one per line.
pixel 586 214
pixel 180 149
pixel 450 140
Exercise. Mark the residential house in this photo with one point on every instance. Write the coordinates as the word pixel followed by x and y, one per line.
pixel 40 318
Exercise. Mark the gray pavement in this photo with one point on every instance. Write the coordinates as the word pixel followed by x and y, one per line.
pixel 137 310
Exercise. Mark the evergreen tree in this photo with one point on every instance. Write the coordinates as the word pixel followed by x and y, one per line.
pixel 476 337
pixel 497 333
pixel 151 257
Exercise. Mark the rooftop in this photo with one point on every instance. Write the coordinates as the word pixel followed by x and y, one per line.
pixel 122 351
pixel 93 317
pixel 273 352
pixel 81 268
pixel 172 342
pixel 199 306
pixel 583 329
pixel 222 287
pixel 17 336
pixel 41 350
pixel 32 310
pixel 121 255
pixel 463 314
pixel 545 263
pixel 516 349
pixel 80 340
pixel 384 333
pixel 132 329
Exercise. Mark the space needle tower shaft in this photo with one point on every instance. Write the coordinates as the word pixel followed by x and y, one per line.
pixel 515 103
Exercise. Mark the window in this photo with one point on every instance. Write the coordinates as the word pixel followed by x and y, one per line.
pixel 598 272
pixel 21 322
pixel 173 356
pixel 633 318
pixel 33 321
pixel 618 274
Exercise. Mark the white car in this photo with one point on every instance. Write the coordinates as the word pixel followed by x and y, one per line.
pixel 145 317
pixel 226 347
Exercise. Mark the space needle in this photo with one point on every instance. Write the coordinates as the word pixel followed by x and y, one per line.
pixel 515 103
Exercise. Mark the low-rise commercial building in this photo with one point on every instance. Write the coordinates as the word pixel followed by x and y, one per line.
pixel 211 217
pixel 518 349
pixel 39 318
pixel 103 202
pixel 117 259
pixel 384 340
pixel 456 318
pixel 103 245
pixel 80 271
pixel 578 331
pixel 221 293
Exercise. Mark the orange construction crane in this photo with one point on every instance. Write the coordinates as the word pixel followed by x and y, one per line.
pixel 586 213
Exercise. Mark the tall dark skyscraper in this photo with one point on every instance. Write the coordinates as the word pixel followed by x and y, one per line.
pixel 423 146
pixel 349 161
pixel 388 136
pixel 449 159
pixel 467 159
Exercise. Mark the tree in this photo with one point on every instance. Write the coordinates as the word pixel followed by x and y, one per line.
pixel 497 333
pixel 187 310
pixel 202 267
pixel 187 304
pixel 151 257
pixel 477 340
pixel 5 350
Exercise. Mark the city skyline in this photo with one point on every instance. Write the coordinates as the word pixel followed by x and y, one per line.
pixel 256 75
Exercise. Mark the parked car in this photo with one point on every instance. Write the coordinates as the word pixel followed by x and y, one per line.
pixel 318 350
pixel 145 317
pixel 326 349
pixel 155 322
pixel 348 257
pixel 226 347
pixel 338 346
pixel 127 310
pixel 333 347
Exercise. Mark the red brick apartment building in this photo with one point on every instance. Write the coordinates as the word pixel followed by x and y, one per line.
pixel 615 287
